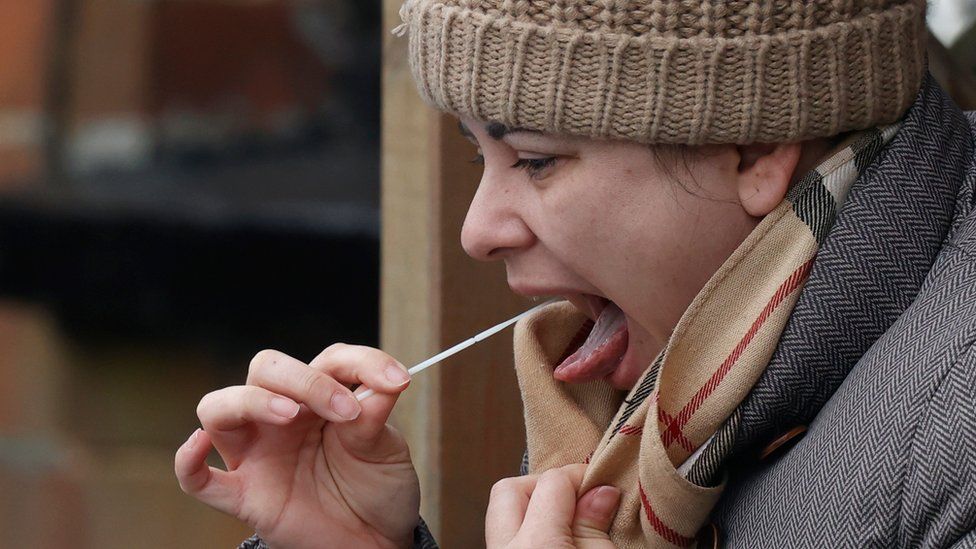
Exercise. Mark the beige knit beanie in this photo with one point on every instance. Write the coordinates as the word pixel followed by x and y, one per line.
pixel 670 71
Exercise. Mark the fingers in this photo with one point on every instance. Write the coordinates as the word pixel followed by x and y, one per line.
pixel 284 375
pixel 225 413
pixel 595 512
pixel 360 364
pixel 553 501
pixel 506 509
pixel 233 407
pixel 211 486
pixel 375 370
pixel 322 386
pixel 533 508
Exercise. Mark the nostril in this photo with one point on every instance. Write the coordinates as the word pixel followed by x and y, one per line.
pixel 496 253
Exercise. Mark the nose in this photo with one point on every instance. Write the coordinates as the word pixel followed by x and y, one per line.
pixel 494 227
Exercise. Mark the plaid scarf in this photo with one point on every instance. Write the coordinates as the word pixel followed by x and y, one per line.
pixel 665 444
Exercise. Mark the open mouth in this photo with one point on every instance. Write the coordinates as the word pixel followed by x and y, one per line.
pixel 604 348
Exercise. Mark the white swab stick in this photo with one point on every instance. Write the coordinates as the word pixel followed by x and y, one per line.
pixel 462 346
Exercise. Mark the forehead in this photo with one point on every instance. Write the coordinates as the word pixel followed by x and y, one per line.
pixel 495 130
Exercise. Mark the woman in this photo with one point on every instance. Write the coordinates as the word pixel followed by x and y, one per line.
pixel 761 216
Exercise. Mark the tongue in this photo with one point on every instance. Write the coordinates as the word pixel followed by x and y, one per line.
pixel 601 352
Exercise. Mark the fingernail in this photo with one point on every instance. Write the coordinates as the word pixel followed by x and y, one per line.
pixel 345 406
pixel 284 407
pixel 397 374
pixel 605 500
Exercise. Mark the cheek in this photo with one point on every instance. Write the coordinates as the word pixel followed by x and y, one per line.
pixel 573 213
pixel 621 226
pixel 597 218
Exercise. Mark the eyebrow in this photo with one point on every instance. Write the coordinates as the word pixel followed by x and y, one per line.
pixel 496 130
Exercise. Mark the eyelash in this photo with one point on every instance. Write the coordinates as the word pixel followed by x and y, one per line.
pixel 533 166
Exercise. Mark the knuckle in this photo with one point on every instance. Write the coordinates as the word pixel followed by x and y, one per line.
pixel 207 404
pixel 264 359
pixel 553 476
pixel 334 349
pixel 328 355
pixel 503 486
pixel 315 382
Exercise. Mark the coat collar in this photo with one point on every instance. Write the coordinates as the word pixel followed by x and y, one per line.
pixel 869 269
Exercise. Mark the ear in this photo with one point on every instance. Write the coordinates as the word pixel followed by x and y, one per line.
pixel 764 175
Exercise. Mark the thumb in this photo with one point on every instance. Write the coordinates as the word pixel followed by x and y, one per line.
pixel 595 512
pixel 369 437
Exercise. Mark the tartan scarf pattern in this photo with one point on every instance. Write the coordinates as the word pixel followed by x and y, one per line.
pixel 665 444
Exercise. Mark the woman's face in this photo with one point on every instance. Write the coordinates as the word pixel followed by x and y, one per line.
pixel 595 220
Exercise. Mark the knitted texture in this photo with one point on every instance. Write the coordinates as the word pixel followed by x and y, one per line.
pixel 678 71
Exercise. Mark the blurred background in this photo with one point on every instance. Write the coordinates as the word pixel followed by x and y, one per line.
pixel 182 184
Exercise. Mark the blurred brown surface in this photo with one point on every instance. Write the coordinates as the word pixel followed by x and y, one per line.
pixel 87 437
pixel 109 58
pixel 136 137
pixel 25 35
pixel 211 55
pixel 23 49
pixel 954 69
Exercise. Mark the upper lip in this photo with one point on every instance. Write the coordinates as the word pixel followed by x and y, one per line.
pixel 594 303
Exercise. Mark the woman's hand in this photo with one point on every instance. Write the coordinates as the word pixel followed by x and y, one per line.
pixel 308 465
pixel 543 511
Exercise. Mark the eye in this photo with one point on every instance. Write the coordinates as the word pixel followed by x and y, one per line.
pixel 479 159
pixel 535 166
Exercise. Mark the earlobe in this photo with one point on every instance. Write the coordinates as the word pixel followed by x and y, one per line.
pixel 764 175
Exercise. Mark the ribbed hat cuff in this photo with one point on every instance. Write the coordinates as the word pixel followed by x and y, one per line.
pixel 778 87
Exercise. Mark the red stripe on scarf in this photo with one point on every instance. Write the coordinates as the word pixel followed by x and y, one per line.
pixel 785 289
pixel 662 529
pixel 672 431
pixel 631 430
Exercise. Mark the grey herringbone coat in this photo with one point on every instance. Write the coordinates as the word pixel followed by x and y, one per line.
pixel 878 359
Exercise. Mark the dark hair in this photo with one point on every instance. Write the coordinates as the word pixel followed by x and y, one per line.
pixel 671 158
